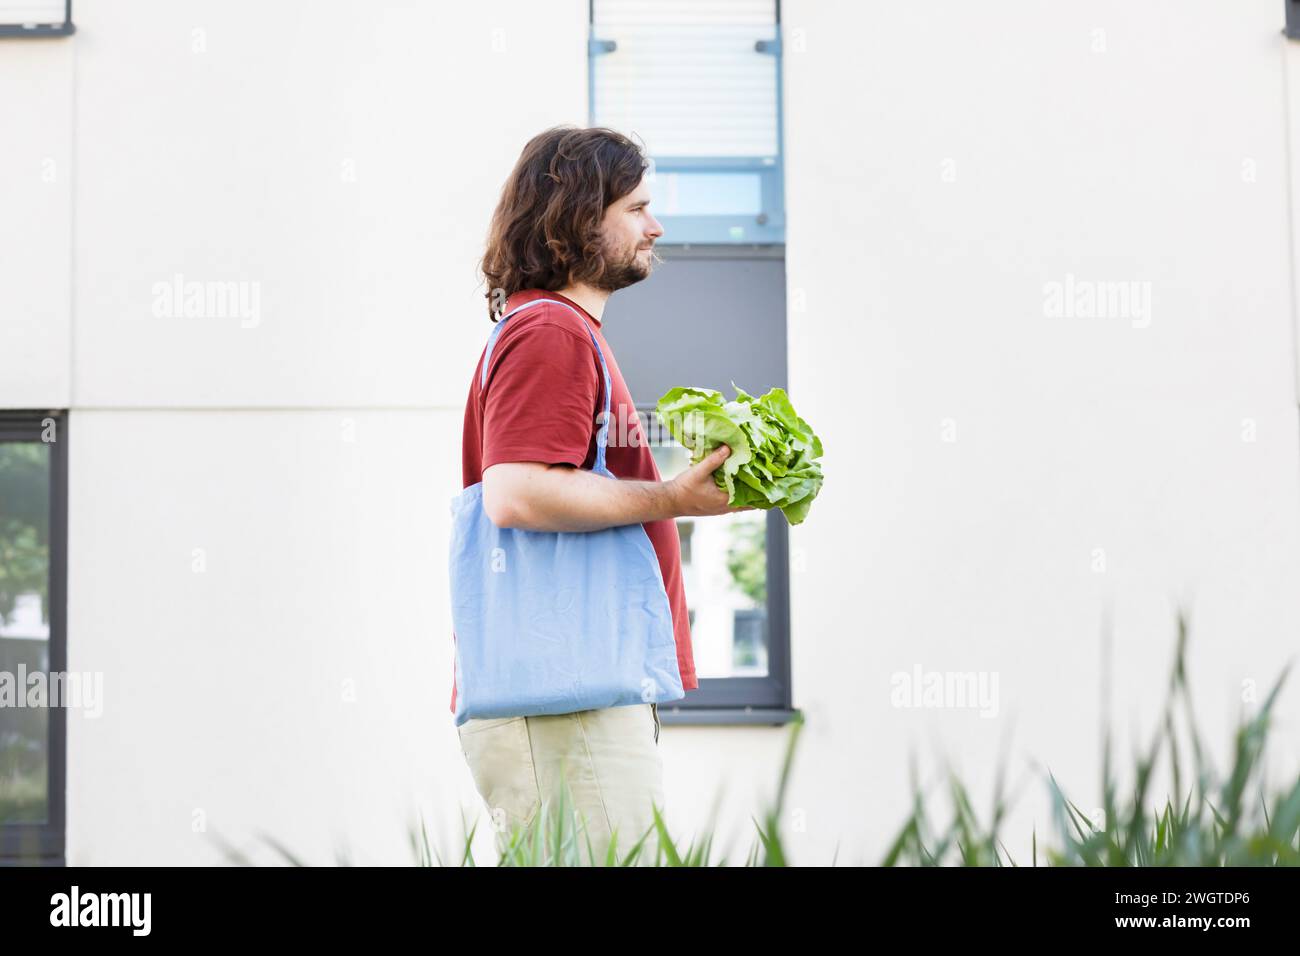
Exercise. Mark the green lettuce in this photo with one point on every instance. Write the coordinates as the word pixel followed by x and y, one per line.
pixel 771 464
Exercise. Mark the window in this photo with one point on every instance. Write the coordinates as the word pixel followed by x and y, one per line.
pixel 707 317
pixel 698 82
pixel 33 534
pixel 724 569
pixel 35 18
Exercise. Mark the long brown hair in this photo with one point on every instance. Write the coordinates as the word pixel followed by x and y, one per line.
pixel 545 233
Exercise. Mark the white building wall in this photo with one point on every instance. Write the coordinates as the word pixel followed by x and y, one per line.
pixel 972 154
pixel 35 223
pixel 339 162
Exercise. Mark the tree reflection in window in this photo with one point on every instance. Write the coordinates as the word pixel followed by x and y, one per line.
pixel 24 625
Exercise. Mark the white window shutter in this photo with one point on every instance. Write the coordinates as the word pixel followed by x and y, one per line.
pixel 24 12
pixel 685 75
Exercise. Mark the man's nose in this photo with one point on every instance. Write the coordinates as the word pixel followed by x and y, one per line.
pixel 656 228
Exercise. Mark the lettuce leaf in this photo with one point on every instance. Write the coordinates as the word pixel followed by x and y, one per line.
pixel 772 462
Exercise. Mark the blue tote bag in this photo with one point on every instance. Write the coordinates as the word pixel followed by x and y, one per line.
pixel 555 622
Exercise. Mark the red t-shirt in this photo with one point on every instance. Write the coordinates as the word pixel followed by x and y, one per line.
pixel 544 393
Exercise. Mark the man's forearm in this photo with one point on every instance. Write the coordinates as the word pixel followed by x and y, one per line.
pixel 572 499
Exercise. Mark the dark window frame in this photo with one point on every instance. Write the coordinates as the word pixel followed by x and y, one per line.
pixel 45 844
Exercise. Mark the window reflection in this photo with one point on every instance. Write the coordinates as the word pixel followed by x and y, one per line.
pixel 24 627
pixel 724 569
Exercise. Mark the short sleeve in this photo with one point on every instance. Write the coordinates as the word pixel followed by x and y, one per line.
pixel 541 397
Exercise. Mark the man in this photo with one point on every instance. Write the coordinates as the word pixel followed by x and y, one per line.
pixel 573 225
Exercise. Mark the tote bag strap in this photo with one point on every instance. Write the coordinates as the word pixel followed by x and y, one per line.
pixel 602 436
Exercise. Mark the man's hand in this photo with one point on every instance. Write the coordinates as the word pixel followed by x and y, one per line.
pixel 695 491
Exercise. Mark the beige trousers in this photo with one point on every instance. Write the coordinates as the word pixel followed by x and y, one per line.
pixel 608 757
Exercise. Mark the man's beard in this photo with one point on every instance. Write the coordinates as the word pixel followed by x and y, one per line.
pixel 620 274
